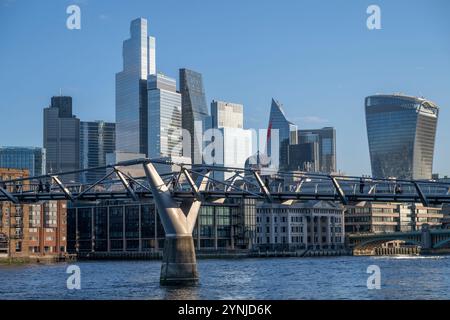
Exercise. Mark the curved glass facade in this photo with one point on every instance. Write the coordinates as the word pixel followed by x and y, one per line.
pixel 401 131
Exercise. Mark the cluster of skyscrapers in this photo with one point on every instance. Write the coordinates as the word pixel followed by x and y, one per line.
pixel 155 119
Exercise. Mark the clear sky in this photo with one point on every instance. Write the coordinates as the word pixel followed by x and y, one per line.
pixel 317 57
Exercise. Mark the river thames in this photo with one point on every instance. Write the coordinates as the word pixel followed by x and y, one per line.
pixel 402 277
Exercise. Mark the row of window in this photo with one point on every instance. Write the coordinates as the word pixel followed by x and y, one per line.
pixel 295 239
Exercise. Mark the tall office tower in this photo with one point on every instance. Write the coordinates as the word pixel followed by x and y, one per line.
pixel 164 117
pixel 326 140
pixel 131 89
pixel 234 146
pixel 401 131
pixel 227 115
pixel 97 138
pixel 62 138
pixel 194 110
pixel 287 133
pixel 29 158
pixel 304 157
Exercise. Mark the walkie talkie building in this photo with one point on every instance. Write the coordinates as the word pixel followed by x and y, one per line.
pixel 401 131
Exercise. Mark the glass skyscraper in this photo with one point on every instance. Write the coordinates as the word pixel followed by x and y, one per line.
pixel 29 158
pixel 401 131
pixel 62 138
pixel 164 117
pixel 194 110
pixel 97 138
pixel 326 140
pixel 131 89
pixel 287 132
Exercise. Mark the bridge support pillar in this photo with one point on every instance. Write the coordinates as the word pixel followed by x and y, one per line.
pixel 426 238
pixel 179 266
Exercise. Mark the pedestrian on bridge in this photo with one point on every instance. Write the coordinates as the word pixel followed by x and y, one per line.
pixel 361 185
pixel 398 189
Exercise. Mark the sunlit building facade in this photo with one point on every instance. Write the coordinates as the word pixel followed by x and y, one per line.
pixel 30 158
pixel 401 131
pixel 164 117
pixel 131 89
pixel 227 114
pixel 300 225
pixel 233 145
pixel 31 230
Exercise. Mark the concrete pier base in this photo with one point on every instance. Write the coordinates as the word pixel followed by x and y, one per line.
pixel 179 265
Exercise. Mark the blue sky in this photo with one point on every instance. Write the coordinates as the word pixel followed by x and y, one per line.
pixel 317 57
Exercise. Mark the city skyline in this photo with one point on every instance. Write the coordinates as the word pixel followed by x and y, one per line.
pixel 296 97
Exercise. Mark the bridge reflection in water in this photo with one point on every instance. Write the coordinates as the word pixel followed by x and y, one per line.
pixel 178 190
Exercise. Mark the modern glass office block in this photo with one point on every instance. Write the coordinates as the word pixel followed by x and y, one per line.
pixel 131 89
pixel 287 132
pixel 62 138
pixel 326 140
pixel 401 131
pixel 164 117
pixel 29 158
pixel 194 110
pixel 97 139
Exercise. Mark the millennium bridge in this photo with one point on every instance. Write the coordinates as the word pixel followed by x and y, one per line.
pixel 178 190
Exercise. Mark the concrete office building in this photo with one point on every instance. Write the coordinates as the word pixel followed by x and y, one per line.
pixel 401 131
pixel 227 115
pixel 30 158
pixel 62 138
pixel 313 225
pixel 368 217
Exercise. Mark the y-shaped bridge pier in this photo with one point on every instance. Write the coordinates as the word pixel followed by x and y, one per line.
pixel 179 266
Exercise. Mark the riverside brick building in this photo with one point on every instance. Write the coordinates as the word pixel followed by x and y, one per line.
pixel 28 230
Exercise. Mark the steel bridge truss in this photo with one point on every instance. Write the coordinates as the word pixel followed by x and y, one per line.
pixel 284 187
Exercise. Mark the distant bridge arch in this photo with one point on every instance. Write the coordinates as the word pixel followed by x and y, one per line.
pixel 376 242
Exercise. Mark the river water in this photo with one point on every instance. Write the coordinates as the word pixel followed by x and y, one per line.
pixel 402 277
